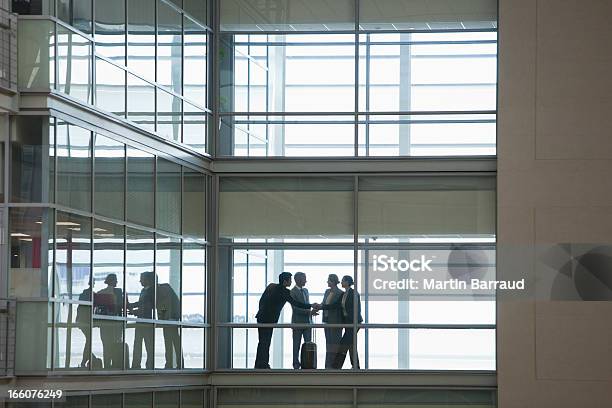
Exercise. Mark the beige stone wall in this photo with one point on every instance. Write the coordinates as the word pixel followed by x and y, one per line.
pixel 554 187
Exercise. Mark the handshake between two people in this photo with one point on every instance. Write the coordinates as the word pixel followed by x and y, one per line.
pixel 315 309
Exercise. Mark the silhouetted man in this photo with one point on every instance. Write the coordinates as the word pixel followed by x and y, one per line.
pixel 270 306
pixel 143 309
pixel 299 315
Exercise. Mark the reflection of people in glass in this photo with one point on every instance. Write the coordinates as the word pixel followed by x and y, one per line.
pixel 83 321
pixel 109 301
pixel 346 305
pixel 332 316
pixel 270 306
pixel 143 309
pixel 299 315
pixel 169 308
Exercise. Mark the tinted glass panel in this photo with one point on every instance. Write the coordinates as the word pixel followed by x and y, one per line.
pixel 168 196
pixel 110 29
pixel 73 166
pixel 141 37
pixel 73 257
pixel 169 50
pixel 110 87
pixel 140 187
pixel 109 177
pixel 141 103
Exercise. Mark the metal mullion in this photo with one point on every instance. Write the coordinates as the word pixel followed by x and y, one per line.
pixel 156 24
pixel 356 84
pixel 348 113
pixel 181 137
pixel 355 268
pixel 213 268
pixel 367 98
pixel 302 32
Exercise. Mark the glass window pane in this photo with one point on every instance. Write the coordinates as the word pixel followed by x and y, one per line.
pixel 110 29
pixel 32 160
pixel 193 398
pixel 197 9
pixel 139 400
pixel 312 208
pixel 77 13
pixel 77 401
pixel 73 336
pixel 140 187
pixel 74 64
pixel 137 335
pixel 141 103
pixel 194 203
pixel 108 268
pixel 168 267
pixel 168 196
pixel 33 329
pixel 294 136
pixel 193 348
pixel 169 49
pixel 167 347
pixel 169 118
pixel 317 73
pixel 110 87
pixel 31 251
pixel 73 166
pixel 377 398
pixel 108 344
pixel 141 37
pixel 106 400
pixel 193 297
pixel 323 397
pixel 195 62
pixel 287 15
pixel 109 177
pixel 194 129
pixel 436 14
pixel 428 135
pixel 391 208
pixel 139 259
pixel 426 299
pixel 73 257
pixel 36 57
pixel 167 399
pixel 457 349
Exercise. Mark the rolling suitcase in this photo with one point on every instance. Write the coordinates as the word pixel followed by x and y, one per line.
pixel 308 356
pixel 308 353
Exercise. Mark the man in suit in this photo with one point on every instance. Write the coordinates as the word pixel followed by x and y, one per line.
pixel 332 316
pixel 300 294
pixel 143 309
pixel 270 306
pixel 346 304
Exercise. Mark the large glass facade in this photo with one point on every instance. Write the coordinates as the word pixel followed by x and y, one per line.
pixel 120 252
pixel 146 50
pixel 125 289
pixel 269 225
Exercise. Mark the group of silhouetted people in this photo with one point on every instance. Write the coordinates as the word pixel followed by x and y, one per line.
pixel 338 306
pixel 109 301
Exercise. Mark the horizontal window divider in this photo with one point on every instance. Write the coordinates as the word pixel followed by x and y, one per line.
pixel 352 44
pixel 318 245
pixel 420 122
pixel 27 300
pixel 56 299
pixel 360 326
pixel 361 113
pixel 452 145
pixel 353 31
pixel 192 325
pixel 110 318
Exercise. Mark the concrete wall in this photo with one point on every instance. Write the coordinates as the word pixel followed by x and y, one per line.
pixel 554 201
